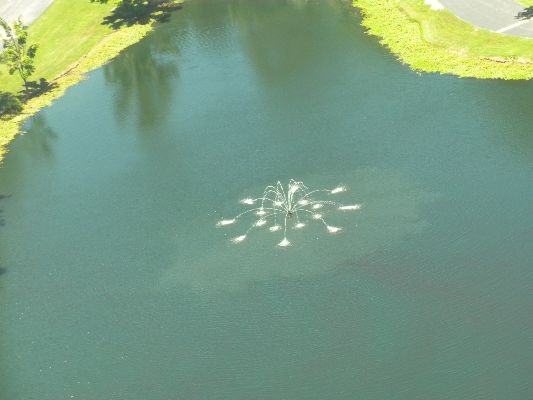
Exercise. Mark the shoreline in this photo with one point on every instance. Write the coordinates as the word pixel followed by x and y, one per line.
pixel 400 27
pixel 430 40
pixel 102 53
pixel 93 46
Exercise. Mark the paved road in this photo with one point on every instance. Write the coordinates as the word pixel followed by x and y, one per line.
pixel 496 15
pixel 29 10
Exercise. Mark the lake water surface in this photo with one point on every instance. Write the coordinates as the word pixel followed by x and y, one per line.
pixel 116 284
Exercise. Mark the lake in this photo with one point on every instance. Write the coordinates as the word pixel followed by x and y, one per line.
pixel 115 282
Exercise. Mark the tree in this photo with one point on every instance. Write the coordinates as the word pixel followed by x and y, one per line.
pixel 18 55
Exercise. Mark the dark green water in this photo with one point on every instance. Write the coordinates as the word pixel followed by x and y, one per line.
pixel 115 283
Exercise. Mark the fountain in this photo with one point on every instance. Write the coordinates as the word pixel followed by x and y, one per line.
pixel 294 206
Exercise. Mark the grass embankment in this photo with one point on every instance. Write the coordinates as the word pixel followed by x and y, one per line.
pixel 437 41
pixel 526 3
pixel 65 32
pixel 72 41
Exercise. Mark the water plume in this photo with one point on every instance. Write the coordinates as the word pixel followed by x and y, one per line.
pixel 352 207
pixel 393 210
pixel 225 222
pixel 292 206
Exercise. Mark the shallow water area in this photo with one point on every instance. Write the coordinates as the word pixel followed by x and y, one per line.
pixel 115 282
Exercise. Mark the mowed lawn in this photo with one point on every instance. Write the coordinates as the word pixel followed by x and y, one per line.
pixel 444 30
pixel 437 41
pixel 65 32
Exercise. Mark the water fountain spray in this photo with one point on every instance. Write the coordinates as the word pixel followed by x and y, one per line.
pixel 294 207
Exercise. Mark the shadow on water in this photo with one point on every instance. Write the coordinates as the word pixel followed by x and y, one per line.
pixel 262 27
pixel 526 13
pixel 2 220
pixel 143 79
pixel 35 146
pixel 41 137
pixel 510 100
pixel 303 47
pixel 3 271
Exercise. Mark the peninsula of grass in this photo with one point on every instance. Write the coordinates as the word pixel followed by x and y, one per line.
pixel 72 41
pixel 437 41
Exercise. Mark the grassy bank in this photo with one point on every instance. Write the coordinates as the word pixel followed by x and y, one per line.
pixel 65 32
pixel 66 52
pixel 437 41
pixel 526 3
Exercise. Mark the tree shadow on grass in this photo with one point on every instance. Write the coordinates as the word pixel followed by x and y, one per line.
pixel 132 12
pixel 37 88
pixel 526 13
pixel 11 104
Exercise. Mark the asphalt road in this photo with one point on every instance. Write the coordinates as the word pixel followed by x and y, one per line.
pixel 496 15
pixel 29 10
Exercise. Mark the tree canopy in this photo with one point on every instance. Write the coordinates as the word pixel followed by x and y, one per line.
pixel 18 55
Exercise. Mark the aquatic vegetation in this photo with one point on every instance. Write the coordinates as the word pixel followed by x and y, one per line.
pixel 294 207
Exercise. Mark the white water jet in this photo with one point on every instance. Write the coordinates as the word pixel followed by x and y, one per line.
pixel 293 205
pixel 339 189
pixel 238 239
pixel 333 229
pixel 352 207
pixel 392 209
pixel 225 222
pixel 284 243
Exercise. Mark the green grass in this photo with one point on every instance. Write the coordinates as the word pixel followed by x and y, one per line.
pixel 526 3
pixel 437 41
pixel 65 32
